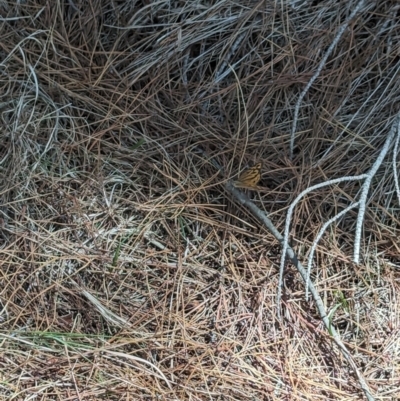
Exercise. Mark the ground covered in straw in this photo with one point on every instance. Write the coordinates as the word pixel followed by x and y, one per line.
pixel 127 270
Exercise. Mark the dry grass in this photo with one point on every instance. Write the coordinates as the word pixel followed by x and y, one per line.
pixel 127 272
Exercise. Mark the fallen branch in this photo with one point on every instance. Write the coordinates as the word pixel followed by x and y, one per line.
pixel 260 215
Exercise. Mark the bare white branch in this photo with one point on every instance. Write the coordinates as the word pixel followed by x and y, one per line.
pixel 365 188
pixel 285 243
pixel 261 216
pixel 395 171
pixel 319 236
pixel 319 69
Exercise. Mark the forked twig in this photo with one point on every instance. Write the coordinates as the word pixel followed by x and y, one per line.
pixel 365 188
pixel 260 215
pixel 285 239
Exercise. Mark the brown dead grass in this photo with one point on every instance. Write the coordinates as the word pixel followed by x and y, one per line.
pixel 111 112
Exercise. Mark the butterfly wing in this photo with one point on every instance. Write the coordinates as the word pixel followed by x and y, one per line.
pixel 250 177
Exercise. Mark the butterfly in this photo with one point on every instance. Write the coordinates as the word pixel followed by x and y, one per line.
pixel 250 177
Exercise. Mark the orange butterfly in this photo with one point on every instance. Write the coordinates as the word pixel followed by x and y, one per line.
pixel 250 177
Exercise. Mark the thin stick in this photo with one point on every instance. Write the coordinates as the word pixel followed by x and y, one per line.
pixel 395 172
pixel 319 69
